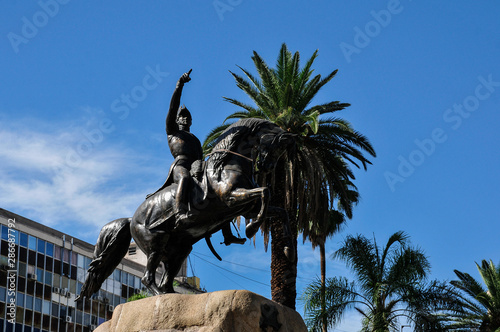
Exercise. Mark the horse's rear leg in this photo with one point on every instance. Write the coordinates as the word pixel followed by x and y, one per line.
pixel 149 276
pixel 245 196
pixel 173 265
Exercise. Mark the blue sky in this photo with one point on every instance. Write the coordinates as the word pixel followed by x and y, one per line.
pixel 86 87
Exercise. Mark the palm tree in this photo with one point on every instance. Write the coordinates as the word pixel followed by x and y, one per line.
pixel 317 233
pixel 319 164
pixel 481 305
pixel 391 282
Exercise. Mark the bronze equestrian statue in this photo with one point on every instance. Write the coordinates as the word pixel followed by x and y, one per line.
pixel 186 150
pixel 226 189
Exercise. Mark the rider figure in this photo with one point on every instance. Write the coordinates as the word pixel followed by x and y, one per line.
pixel 185 148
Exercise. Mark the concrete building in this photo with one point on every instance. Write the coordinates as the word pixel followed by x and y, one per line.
pixel 42 270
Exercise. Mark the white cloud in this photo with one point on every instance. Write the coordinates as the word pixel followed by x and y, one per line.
pixel 37 181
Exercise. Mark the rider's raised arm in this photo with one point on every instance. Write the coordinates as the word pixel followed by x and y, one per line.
pixel 171 123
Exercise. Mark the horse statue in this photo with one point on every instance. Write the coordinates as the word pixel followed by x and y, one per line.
pixel 227 189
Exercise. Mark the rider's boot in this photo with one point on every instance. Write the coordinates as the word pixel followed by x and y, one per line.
pixel 182 218
pixel 229 238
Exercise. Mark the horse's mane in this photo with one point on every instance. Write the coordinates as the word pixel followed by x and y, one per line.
pixel 232 137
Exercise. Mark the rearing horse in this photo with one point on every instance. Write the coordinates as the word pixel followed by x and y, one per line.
pixel 226 190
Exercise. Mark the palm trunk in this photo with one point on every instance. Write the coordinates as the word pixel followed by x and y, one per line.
pixel 323 284
pixel 283 272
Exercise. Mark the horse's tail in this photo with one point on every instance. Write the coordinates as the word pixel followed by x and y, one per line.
pixel 112 245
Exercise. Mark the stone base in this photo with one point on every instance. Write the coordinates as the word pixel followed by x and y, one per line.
pixel 223 311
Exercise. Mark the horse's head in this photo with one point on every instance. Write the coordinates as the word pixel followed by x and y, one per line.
pixel 271 147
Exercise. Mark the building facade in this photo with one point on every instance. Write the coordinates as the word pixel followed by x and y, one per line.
pixel 42 270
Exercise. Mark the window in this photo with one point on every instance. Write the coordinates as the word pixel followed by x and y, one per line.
pixel 38 304
pixel 87 262
pixel 55 309
pixel 57 252
pixel 117 287
pixel 5 233
pixel 41 246
pixel 79 317
pixel 3 292
pixel 80 261
pixel 48 278
pixel 22 269
pixel 65 255
pixel 72 286
pixel 29 302
pixel 46 307
pixel 56 279
pixel 24 239
pixel 20 299
pixel 137 282
pixel 80 275
pixel 50 249
pixel 39 275
pixel 32 242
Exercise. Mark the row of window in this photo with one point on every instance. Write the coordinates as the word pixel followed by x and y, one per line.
pixel 28 320
pixel 44 247
pixel 44 271
pixel 45 262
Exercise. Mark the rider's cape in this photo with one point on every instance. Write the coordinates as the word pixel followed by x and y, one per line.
pixel 170 176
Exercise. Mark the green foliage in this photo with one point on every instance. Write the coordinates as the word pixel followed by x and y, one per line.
pixel 480 304
pixel 390 283
pixel 138 296
pixel 326 146
pixel 315 178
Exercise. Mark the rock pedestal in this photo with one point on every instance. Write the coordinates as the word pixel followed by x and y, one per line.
pixel 223 311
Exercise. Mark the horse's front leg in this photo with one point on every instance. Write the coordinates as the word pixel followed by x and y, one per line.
pixel 246 196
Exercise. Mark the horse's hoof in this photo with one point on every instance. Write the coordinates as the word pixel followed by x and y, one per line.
pixel 289 253
pixel 251 229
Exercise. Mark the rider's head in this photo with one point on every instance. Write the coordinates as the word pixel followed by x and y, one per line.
pixel 184 118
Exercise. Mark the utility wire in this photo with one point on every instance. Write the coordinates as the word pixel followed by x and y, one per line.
pixel 249 267
pixel 239 275
pixel 225 276
pixel 191 264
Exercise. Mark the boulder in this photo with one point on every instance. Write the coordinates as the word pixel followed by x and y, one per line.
pixel 223 311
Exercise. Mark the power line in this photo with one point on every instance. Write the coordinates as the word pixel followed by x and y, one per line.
pixel 222 274
pixel 250 267
pixel 239 275
pixel 191 264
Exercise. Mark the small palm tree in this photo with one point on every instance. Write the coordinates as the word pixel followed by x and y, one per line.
pixel 318 232
pixel 391 283
pixel 481 305
pixel 314 175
